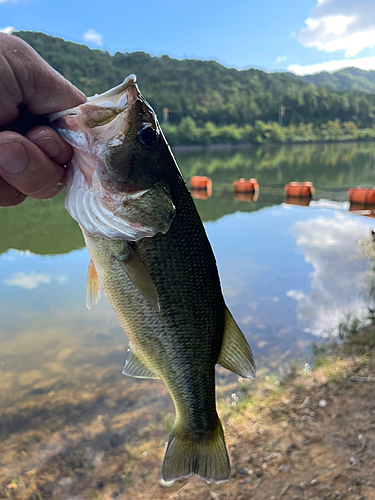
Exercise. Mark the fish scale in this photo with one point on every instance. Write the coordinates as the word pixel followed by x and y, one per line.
pixel 156 267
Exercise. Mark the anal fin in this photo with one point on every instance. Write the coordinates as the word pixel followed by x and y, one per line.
pixel 235 354
pixel 135 367
pixel 92 286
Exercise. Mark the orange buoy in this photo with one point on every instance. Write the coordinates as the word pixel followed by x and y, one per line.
pixel 361 209
pixel 248 197
pixel 299 189
pixel 244 186
pixel 200 182
pixel 302 202
pixel 363 196
pixel 201 194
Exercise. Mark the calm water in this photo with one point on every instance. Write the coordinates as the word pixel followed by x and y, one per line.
pixel 290 274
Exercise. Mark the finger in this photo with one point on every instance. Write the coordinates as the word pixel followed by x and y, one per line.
pixel 27 79
pixel 25 167
pixel 49 141
pixel 9 196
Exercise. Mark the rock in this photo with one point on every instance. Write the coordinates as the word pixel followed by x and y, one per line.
pixel 352 461
pixel 166 484
pixel 242 472
pixel 322 403
pixel 65 482
pixel 272 456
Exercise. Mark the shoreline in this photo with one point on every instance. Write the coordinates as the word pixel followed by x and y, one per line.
pixel 227 146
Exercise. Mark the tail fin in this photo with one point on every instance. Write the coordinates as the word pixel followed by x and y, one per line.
pixel 206 459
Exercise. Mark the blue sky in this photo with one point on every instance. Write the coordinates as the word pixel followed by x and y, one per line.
pixel 303 36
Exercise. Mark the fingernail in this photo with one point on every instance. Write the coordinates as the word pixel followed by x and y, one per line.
pixel 48 145
pixel 13 157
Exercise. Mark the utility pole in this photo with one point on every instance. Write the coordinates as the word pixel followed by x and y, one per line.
pixel 166 112
pixel 282 109
pixel 165 116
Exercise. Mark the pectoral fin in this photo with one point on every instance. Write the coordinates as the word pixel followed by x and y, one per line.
pixel 139 275
pixel 135 367
pixel 92 286
pixel 235 354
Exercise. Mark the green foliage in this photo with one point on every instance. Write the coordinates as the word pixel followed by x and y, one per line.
pixel 212 104
pixel 187 132
pixel 354 335
pixel 349 328
pixel 344 79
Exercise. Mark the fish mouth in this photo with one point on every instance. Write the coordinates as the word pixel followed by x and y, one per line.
pixel 116 98
pixel 101 124
pixel 98 201
pixel 101 119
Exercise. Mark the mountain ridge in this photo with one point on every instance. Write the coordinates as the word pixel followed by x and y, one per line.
pixel 344 79
pixel 206 91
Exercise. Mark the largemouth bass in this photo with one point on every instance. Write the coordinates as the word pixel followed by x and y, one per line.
pixel 152 259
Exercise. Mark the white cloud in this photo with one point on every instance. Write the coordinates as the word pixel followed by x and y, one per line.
pixel 62 279
pixel 340 25
pixel 92 36
pixel 28 281
pixel 335 205
pixel 295 294
pixel 7 29
pixel 8 1
pixel 330 246
pixel 12 254
pixel 281 58
pixel 366 63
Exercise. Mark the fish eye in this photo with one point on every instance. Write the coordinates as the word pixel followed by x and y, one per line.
pixel 146 136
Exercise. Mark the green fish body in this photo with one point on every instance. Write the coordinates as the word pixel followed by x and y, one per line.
pixel 165 289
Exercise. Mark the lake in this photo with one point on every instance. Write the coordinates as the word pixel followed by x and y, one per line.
pixel 290 275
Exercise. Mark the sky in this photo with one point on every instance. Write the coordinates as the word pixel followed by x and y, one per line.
pixel 302 36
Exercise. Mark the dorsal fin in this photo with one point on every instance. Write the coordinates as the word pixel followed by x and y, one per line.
pixel 235 354
pixel 92 286
pixel 135 367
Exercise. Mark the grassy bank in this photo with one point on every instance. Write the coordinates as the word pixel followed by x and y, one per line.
pixel 187 132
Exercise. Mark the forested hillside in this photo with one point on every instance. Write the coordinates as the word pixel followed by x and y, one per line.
pixel 205 91
pixel 348 78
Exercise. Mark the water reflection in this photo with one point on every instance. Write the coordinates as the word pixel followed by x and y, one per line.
pixel 326 165
pixel 330 246
pixel 289 273
pixel 42 227
pixel 46 228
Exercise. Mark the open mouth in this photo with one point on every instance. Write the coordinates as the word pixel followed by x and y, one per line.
pixel 113 98
pixel 99 118
pixel 100 196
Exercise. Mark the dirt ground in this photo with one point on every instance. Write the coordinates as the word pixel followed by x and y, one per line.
pixel 311 436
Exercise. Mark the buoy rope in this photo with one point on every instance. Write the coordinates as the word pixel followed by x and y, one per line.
pixel 272 185
pixel 321 188
pixel 281 185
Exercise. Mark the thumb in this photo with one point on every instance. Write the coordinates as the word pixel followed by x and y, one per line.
pixel 27 79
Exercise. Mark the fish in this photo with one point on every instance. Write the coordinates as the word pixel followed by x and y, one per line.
pixel 151 257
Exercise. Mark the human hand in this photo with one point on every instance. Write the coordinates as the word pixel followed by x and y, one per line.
pixel 31 164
